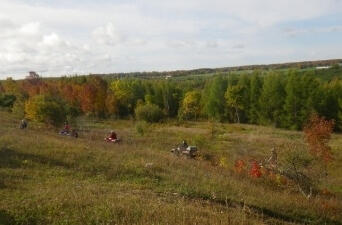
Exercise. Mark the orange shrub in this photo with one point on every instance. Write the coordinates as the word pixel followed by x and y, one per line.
pixel 317 135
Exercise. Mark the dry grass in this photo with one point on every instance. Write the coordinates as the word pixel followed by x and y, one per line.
pixel 50 179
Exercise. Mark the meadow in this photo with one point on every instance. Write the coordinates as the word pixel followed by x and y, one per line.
pixel 46 178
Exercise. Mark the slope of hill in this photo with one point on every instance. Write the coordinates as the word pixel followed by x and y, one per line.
pixel 50 179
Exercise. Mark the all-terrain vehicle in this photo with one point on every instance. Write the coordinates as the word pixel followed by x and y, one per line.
pixel 184 149
pixel 117 140
pixel 112 138
pixel 23 124
pixel 72 133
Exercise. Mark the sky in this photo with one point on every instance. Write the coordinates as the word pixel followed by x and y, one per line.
pixel 67 37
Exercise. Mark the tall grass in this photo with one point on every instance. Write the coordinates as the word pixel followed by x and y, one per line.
pixel 50 179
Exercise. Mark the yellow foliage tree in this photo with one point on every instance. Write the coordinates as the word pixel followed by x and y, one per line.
pixel 45 109
pixel 191 108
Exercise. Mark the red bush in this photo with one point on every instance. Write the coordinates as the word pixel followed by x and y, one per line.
pixel 255 170
pixel 317 135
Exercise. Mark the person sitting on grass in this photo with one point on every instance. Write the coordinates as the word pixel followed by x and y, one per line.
pixel 112 137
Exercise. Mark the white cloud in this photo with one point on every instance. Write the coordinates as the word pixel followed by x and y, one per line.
pixel 108 35
pixel 30 28
pixel 116 36
pixel 51 40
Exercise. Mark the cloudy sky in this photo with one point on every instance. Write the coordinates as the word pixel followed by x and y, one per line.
pixel 63 37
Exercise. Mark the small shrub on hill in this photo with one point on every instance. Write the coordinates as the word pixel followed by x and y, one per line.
pixel 317 135
pixel 7 100
pixel 150 113
pixel 141 128
pixel 255 170
pixel 19 108
pixel 308 168
pixel 239 166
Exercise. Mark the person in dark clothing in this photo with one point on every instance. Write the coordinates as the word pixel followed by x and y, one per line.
pixel 184 144
pixel 23 124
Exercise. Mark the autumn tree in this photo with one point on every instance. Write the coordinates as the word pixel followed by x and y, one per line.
pixel 88 98
pixel 32 85
pixel 190 108
pixel 10 86
pixel 127 93
pixel 70 93
pixel 307 168
pixel 100 86
pixel 46 109
pixel 112 104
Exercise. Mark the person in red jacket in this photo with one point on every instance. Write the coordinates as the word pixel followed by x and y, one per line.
pixel 112 137
pixel 66 129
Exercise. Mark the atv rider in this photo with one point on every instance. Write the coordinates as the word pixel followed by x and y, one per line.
pixel 184 145
pixel 66 129
pixel 112 137
pixel 23 124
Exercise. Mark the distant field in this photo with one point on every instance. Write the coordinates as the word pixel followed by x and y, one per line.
pixel 50 179
pixel 324 74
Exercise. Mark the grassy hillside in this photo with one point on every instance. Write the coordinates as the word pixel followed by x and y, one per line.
pixel 50 179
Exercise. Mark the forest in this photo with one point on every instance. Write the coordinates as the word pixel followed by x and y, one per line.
pixel 279 98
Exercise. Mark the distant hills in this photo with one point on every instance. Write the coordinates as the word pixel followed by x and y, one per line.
pixel 277 66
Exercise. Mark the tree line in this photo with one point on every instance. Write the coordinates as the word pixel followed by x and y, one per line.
pixel 281 99
pixel 183 73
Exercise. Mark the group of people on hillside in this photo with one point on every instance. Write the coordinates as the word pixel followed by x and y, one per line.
pixel 67 130
pixel 183 147
pixel 73 132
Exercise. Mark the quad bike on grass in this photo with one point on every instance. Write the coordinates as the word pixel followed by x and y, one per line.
pixel 67 131
pixel 111 140
pixel 72 133
pixel 185 150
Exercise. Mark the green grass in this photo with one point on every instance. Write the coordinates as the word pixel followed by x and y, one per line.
pixel 50 179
